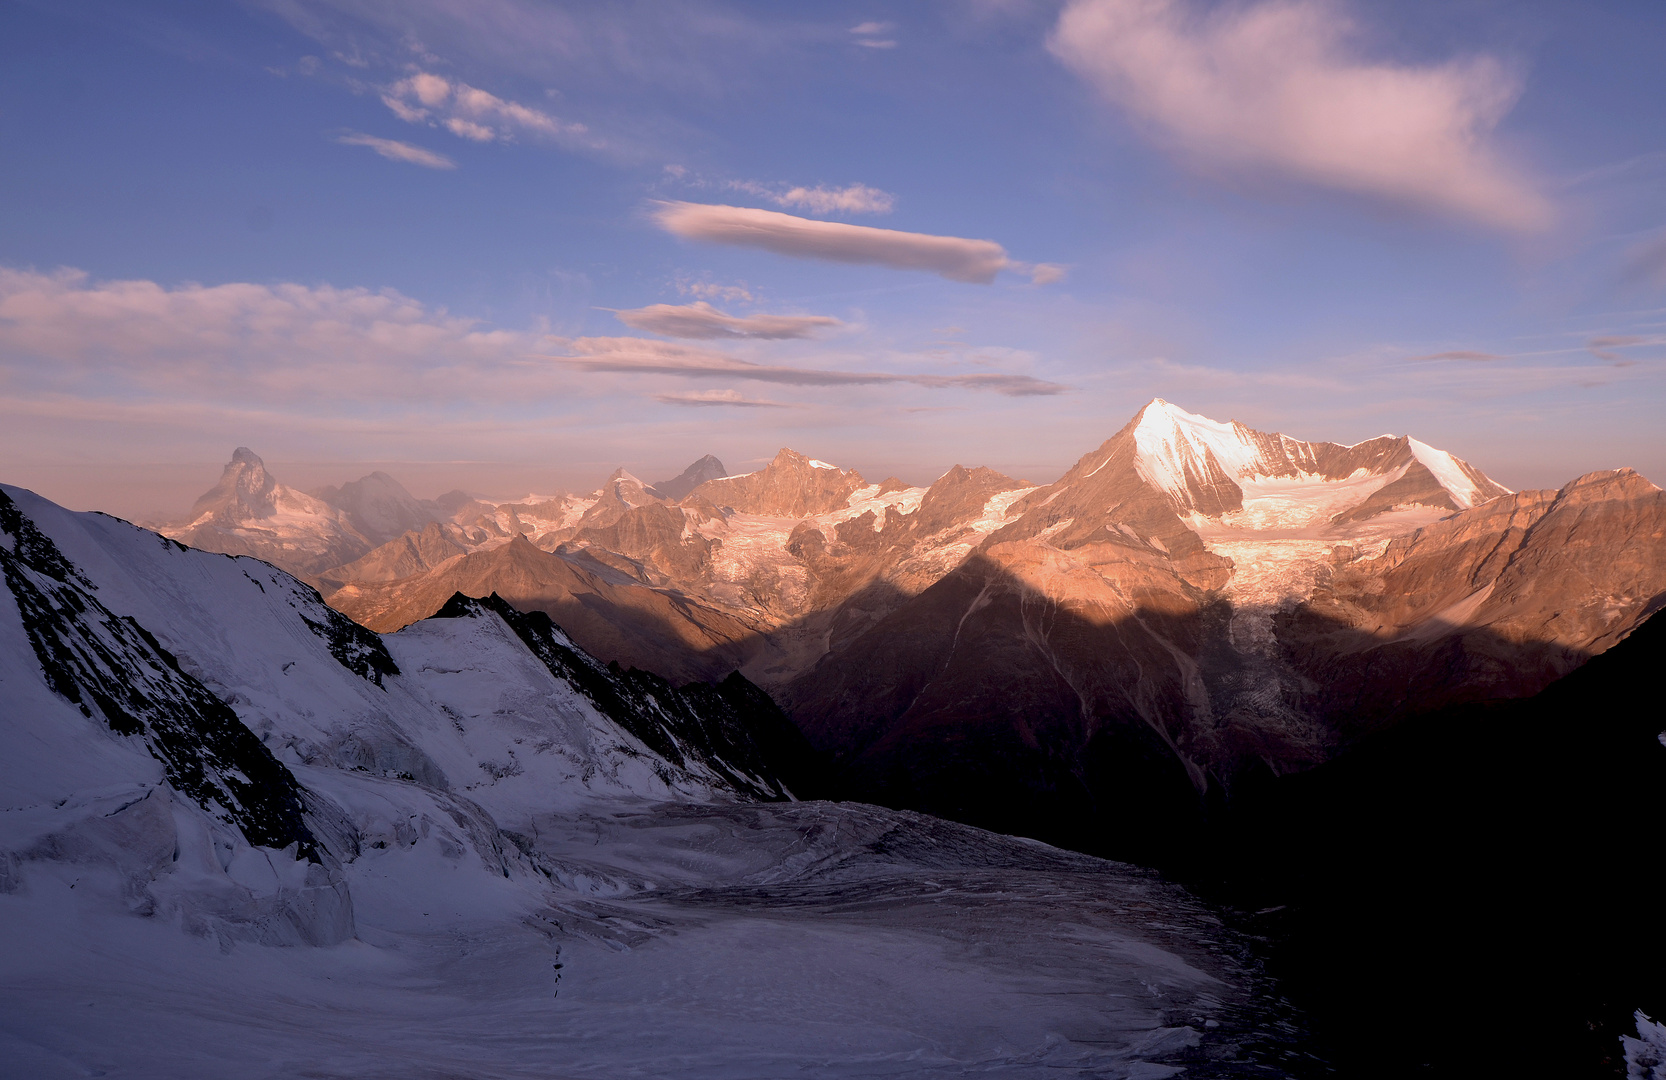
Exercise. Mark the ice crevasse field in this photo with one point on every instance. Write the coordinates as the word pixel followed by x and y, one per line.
pixel 429 854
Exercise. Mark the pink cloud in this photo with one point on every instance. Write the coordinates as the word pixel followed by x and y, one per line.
pixel 471 113
pixel 642 356
pixel 1279 86
pixel 394 150
pixel 952 257
pixel 701 320
pixel 719 398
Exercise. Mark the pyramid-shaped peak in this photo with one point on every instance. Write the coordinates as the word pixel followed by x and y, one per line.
pixel 244 456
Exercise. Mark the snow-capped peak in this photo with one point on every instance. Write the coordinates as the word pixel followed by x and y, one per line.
pixel 1214 468
pixel 1453 474
pixel 1174 446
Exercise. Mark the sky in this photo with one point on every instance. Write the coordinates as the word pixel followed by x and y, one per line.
pixel 512 245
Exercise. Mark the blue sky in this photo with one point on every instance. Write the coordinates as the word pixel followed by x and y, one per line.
pixel 512 245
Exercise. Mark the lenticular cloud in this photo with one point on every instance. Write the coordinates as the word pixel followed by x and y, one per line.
pixel 701 320
pixel 1277 86
pixel 953 257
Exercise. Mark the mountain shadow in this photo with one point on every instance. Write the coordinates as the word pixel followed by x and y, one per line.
pixel 1125 735
pixel 1477 891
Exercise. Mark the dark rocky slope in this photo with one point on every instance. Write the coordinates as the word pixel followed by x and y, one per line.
pixel 1477 892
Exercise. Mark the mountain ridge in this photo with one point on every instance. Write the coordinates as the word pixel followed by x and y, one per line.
pixel 1165 608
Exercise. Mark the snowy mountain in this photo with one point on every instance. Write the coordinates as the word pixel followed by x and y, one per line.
pixel 1255 480
pixel 491 852
pixel 250 513
pixel 1194 605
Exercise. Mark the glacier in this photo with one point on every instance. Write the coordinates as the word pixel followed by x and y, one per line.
pixel 468 850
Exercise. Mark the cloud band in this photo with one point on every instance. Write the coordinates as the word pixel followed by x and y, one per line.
pixel 952 257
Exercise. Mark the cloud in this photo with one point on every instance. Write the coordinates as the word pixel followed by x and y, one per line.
pixel 709 398
pixel 63 332
pixel 871 34
pixel 474 114
pixel 1459 354
pixel 1278 86
pixel 952 257
pixel 394 150
pixel 1603 348
pixel 706 289
pixel 643 356
pixel 853 199
pixel 701 320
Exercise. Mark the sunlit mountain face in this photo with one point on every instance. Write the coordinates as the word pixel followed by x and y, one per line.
pixel 719 539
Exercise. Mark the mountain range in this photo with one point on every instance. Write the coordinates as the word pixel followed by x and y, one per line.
pixel 1096 660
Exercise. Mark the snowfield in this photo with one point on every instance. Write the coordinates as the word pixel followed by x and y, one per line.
pixel 476 870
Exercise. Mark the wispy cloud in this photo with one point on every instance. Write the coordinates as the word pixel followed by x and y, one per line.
pixel 710 398
pixel 64 335
pixel 646 357
pixel 701 320
pixel 1279 85
pixel 851 199
pixel 706 289
pixel 472 113
pixel 1606 346
pixel 952 257
pixel 874 35
pixel 394 150
pixel 1459 354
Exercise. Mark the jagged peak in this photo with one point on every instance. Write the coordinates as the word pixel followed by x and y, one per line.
pixel 244 456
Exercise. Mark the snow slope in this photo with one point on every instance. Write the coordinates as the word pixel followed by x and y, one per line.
pixel 1284 483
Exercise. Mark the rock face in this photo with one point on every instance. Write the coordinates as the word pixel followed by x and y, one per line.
pixel 1496 602
pixel 792 485
pixel 1099 660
